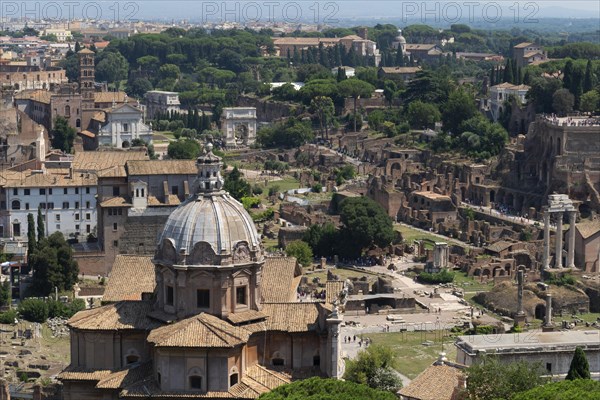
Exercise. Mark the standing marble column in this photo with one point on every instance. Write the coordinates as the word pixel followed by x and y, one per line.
pixel 548 321
pixel 571 240
pixel 546 256
pixel 520 279
pixel 559 241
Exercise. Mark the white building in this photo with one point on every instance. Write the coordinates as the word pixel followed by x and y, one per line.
pixel 239 126
pixel 554 350
pixel 121 125
pixel 62 35
pixel 501 93
pixel 161 101
pixel 68 203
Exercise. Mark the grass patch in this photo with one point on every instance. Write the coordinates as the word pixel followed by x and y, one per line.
pixel 413 356
pixel 470 284
pixel 410 235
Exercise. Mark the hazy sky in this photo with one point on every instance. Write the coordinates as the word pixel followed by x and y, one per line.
pixel 322 11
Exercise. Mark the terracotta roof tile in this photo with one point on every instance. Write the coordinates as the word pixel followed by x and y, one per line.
pixel 110 162
pixel 83 374
pixel 292 317
pixel 124 315
pixel 202 330
pixel 162 167
pixel 130 277
pixel 129 376
pixel 246 316
pixel 332 290
pixel 587 229
pixel 115 202
pixel 50 180
pixel 277 277
pixel 435 383
pixel 109 97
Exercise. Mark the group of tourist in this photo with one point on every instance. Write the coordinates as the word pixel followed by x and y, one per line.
pixel 570 121
pixel 361 341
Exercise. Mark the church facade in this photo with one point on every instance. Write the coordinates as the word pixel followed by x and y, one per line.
pixel 220 321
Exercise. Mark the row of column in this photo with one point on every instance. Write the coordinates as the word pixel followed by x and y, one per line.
pixel 559 240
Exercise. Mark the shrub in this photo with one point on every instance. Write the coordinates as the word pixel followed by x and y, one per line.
pixel 250 202
pixel 257 190
pixel 443 276
pixel 34 310
pixel 273 190
pixel 562 280
pixel 8 317
pixel 317 188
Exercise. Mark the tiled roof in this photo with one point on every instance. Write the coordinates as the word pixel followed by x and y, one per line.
pixel 332 290
pixel 49 180
pixel 115 202
pixel 106 161
pixel 245 316
pixel 109 97
pixel 499 246
pixel 123 378
pixel 202 330
pixel 162 167
pixel 258 380
pixel 435 383
pixel 83 374
pixel 124 315
pixel 41 96
pixel 420 46
pixel 522 45
pixel 292 317
pixel 401 70
pixel 277 279
pixel 129 278
pixel 587 229
pixel 149 389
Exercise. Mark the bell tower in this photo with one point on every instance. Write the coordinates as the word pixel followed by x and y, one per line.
pixel 86 78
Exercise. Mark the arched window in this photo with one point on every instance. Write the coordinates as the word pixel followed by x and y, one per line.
pixel 132 357
pixel 195 379
pixel 277 359
pixel 78 123
pixel 67 111
pixel 233 376
pixel 15 205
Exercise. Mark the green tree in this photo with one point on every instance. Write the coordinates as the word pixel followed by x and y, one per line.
pixel 375 367
pixel 355 88
pixel 289 134
pixel 301 250
pixel 580 389
pixel 326 389
pixel 236 185
pixel 5 294
pixel 41 229
pixel 138 87
pixel 322 239
pixel 322 107
pixel 590 101
pixel 563 101
pixel 389 91
pixel 111 67
pixel 183 149
pixel 376 119
pixel 423 115
pixel 580 368
pixel 62 135
pixel 53 265
pixel 588 80
pixel 31 243
pixel 492 380
pixel 33 310
pixel 459 107
pixel 365 223
pixel 169 71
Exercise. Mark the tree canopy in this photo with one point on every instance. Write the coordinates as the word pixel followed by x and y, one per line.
pixel 579 368
pixel 236 185
pixel 301 250
pixel 493 380
pixel 53 265
pixel 62 135
pixel 375 367
pixel 580 389
pixel 183 149
pixel 326 389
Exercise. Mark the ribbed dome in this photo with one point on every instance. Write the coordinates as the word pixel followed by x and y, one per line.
pixel 210 227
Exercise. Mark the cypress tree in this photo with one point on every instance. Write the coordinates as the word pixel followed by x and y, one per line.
pixel 31 243
pixel 399 57
pixel 341 74
pixel 580 368
pixel 41 230
pixel 513 64
pixel 588 81
pixel 508 72
pixel 492 76
pixel 568 75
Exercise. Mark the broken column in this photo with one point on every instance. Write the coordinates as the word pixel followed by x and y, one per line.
pixel 440 255
pixel 571 240
pixel 520 316
pixel 548 320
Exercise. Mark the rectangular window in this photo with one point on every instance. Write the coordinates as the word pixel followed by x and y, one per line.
pixel 42 192
pixel 116 191
pixel 77 228
pixel 240 295
pixel 50 206
pixel 76 204
pixel 87 204
pixel 15 192
pixel 110 211
pixel 549 367
pixel 27 191
pixel 65 205
pixel 57 227
pixel 87 190
pixel 115 226
pixel 88 229
pixel 50 191
pixel 120 211
pixel 65 191
pixel 203 298
pixel 43 206
pixel 115 243
pixel 76 190
pixel 27 206
pixel 175 189
pixel 76 216
pixel 57 217
pixel 170 296
pixel 88 216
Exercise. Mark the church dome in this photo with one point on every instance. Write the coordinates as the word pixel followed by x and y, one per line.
pixel 210 227
pixel 400 38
